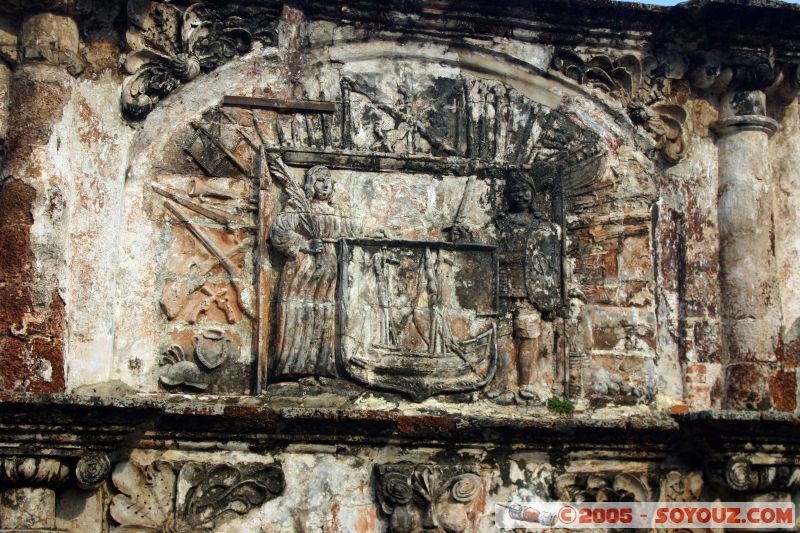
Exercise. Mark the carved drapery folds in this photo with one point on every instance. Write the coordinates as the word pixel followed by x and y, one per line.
pixel 171 497
pixel 173 45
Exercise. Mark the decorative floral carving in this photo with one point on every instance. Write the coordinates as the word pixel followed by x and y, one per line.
pixel 171 47
pixel 92 470
pixel 681 487
pixel 653 101
pixel 424 497
pixel 192 497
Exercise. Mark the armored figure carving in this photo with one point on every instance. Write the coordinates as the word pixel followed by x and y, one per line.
pixel 305 233
pixel 530 285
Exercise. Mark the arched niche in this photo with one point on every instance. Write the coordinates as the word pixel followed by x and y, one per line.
pixel 418 137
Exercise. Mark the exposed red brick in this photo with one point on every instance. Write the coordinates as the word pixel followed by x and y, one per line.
pixel 790 354
pixel 783 389
pixel 31 341
pixel 31 125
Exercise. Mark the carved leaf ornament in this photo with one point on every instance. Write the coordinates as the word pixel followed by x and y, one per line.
pixel 166 498
pixel 628 77
pixel 206 40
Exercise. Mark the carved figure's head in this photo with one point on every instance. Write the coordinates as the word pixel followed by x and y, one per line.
pixel 519 193
pixel 319 184
pixel 428 498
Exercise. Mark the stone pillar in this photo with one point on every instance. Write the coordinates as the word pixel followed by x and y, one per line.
pixel 29 501
pixel 750 298
pixel 33 205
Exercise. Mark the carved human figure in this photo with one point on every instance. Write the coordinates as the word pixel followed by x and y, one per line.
pixel 530 284
pixel 305 233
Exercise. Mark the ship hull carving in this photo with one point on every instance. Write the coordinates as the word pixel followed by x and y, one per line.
pixel 418 318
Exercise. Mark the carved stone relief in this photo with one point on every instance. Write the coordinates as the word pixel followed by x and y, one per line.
pixel 602 487
pixel 423 497
pixel 408 238
pixel 651 88
pixel 172 44
pixel 191 496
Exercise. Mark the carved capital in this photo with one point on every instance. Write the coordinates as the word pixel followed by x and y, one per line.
pixel 420 497
pixel 743 474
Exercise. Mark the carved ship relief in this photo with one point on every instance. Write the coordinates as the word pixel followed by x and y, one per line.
pixel 417 337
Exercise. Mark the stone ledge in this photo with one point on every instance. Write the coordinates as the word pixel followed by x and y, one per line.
pixel 71 424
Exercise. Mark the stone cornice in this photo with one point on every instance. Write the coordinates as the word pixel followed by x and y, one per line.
pixel 106 424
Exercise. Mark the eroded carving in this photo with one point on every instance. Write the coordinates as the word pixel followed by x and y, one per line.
pixel 172 45
pixel 651 89
pixel 92 470
pixel 211 349
pixel 402 319
pixel 530 284
pixel 744 475
pixel 602 487
pixel 418 317
pixel 305 233
pixel 423 497
pixel 192 496
pixel 681 486
pixel 33 471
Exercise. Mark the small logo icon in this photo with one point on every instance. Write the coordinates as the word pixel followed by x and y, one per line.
pixel 567 514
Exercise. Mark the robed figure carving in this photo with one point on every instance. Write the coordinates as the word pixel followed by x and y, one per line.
pixel 305 233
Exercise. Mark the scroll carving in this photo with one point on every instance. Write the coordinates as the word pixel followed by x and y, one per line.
pixel 172 46
pixel 422 497
pixel 744 475
pixel 191 496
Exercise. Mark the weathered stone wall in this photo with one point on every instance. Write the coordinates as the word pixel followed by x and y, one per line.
pixel 367 268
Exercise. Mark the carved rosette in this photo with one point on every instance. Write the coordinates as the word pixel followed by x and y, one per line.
pixel 189 497
pixel 172 46
pixel 92 470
